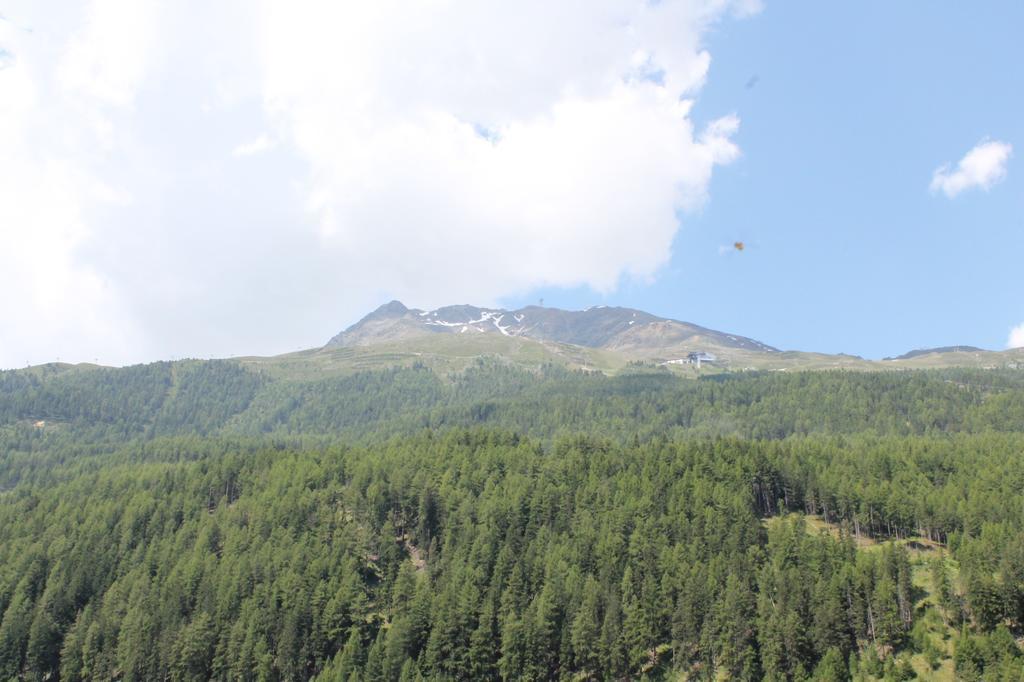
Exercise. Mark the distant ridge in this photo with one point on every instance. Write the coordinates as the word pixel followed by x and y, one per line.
pixel 941 349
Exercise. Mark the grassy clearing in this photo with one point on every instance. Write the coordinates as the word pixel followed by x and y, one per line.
pixel 817 525
pixel 936 633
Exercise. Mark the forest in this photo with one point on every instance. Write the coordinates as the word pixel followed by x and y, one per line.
pixel 201 520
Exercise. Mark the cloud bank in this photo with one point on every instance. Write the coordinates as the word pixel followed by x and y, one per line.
pixel 251 181
pixel 981 167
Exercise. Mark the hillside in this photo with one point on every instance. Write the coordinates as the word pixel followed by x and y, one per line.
pixel 231 520
pixel 435 504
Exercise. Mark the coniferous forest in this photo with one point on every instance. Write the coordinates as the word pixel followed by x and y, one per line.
pixel 203 520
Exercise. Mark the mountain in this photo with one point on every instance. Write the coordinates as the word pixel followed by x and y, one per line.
pixel 632 333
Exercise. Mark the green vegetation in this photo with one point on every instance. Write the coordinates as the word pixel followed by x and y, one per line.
pixel 199 520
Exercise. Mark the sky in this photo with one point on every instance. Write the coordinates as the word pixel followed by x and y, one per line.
pixel 196 180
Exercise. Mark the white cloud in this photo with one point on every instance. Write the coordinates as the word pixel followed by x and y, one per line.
pixel 53 303
pixel 982 167
pixel 1016 339
pixel 253 147
pixel 437 152
pixel 106 58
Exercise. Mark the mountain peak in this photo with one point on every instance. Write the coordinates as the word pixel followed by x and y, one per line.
pixel 390 309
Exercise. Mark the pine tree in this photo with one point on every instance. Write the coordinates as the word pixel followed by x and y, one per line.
pixel 734 619
pixel 484 649
pixel 586 628
pixel 832 667
pixel 830 629
pixel 375 658
pixel 613 654
pixel 514 656
pixel 885 608
pixel 194 649
pixel 352 657
pixel 967 658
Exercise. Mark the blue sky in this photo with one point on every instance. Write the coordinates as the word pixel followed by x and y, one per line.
pixel 854 106
pixel 256 181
